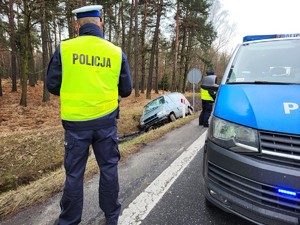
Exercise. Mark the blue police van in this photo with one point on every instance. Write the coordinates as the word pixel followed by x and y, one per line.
pixel 251 163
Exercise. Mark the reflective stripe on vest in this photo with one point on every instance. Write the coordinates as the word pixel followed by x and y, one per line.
pixel 205 95
pixel 90 75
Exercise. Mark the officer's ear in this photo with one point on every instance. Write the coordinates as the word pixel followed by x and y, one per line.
pixel 100 23
pixel 77 26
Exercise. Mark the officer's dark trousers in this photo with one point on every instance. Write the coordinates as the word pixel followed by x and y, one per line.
pixel 205 113
pixel 105 146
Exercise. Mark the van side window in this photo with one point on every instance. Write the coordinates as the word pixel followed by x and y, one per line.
pixel 161 101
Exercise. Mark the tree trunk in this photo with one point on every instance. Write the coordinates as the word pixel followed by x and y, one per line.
pixel 110 16
pixel 130 32
pixel 117 24
pixel 154 43
pixel 173 85
pixel 156 67
pixel 23 101
pixel 13 47
pixel 1 94
pixel 70 19
pixel 123 22
pixel 182 57
pixel 49 43
pixel 31 69
pixel 143 50
pixel 187 64
pixel 44 31
pixel 55 30
pixel 136 49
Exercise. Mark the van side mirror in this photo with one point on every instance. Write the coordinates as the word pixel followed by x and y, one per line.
pixel 209 83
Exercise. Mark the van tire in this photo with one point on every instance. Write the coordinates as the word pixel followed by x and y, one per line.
pixel 149 128
pixel 190 111
pixel 172 117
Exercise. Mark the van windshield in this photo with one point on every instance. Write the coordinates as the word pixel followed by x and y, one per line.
pixel 154 104
pixel 267 62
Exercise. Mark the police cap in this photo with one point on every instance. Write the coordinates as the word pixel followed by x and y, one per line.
pixel 88 11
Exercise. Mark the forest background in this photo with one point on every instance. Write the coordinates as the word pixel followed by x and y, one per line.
pixel 163 40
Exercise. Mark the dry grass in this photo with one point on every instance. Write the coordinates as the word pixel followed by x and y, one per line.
pixel 31 146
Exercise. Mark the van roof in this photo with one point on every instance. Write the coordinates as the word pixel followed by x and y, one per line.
pixel 173 93
pixel 269 36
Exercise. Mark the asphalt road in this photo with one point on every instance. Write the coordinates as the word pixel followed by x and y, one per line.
pixel 184 203
pixel 163 182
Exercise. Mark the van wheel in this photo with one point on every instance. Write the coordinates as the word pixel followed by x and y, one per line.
pixel 190 111
pixel 149 128
pixel 172 117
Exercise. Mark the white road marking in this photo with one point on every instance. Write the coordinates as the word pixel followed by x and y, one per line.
pixel 145 202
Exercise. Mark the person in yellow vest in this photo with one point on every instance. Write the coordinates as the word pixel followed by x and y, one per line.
pixel 89 74
pixel 208 98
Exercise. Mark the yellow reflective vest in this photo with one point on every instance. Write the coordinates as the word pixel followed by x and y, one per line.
pixel 205 95
pixel 90 74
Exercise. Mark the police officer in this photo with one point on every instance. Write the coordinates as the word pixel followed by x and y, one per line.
pixel 89 73
pixel 208 98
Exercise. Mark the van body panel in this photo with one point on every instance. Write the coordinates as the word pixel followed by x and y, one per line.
pixel 172 106
pixel 248 104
